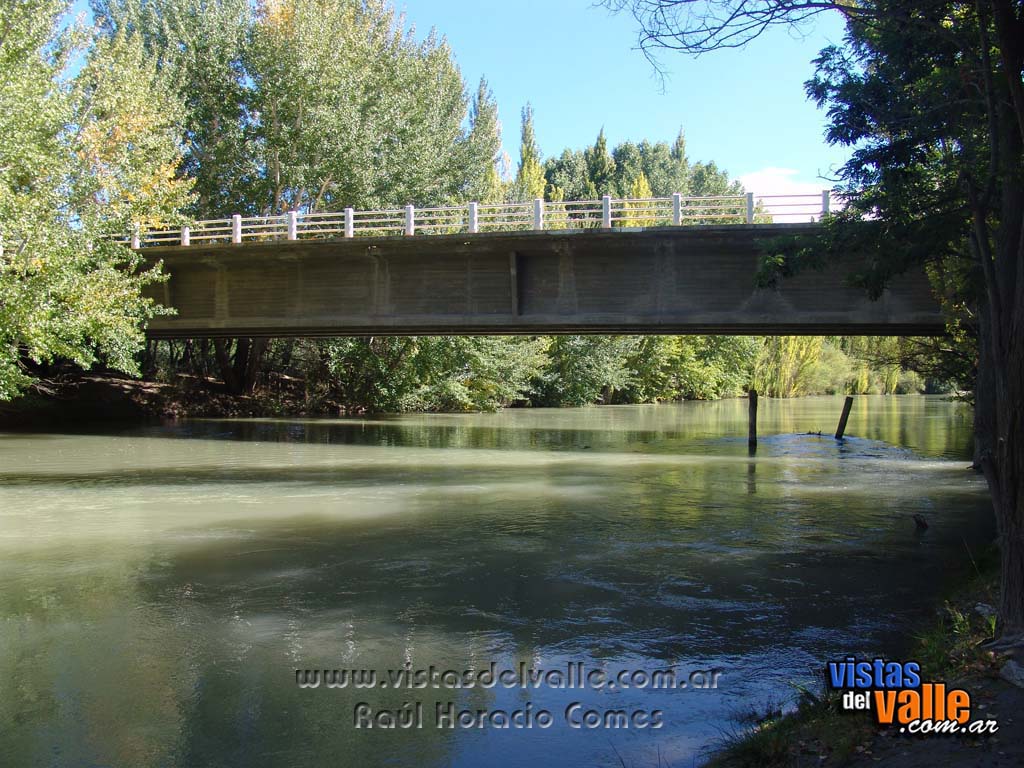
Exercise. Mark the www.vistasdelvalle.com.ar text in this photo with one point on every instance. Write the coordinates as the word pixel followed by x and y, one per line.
pixel 574 675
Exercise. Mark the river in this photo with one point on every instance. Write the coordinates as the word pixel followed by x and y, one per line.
pixel 160 585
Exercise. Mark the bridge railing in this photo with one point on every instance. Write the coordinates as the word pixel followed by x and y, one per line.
pixel 607 213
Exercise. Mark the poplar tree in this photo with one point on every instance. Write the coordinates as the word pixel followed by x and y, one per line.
pixel 310 105
pixel 82 156
pixel 600 168
pixel 530 182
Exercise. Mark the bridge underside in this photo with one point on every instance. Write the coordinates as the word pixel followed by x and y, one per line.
pixel 659 280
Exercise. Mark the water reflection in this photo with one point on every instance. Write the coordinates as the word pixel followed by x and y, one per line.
pixel 161 585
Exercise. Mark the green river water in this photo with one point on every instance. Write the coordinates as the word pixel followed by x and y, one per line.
pixel 160 585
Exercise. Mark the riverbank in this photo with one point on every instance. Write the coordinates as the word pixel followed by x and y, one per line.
pixel 82 398
pixel 818 732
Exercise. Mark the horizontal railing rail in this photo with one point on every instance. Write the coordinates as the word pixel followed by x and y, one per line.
pixel 472 218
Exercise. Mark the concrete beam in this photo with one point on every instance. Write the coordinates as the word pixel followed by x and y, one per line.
pixel 657 280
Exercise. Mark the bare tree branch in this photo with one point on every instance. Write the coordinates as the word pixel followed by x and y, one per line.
pixel 702 26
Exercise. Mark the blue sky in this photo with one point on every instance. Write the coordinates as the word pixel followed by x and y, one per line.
pixel 576 64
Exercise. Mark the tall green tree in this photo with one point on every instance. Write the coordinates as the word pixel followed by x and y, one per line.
pixel 666 167
pixel 200 46
pixel 567 173
pixel 81 157
pixel 628 166
pixel 309 105
pixel 530 182
pixel 600 168
pixel 583 369
pixel 482 149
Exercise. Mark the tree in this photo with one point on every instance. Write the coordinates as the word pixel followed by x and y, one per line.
pixel 312 104
pixel 628 166
pixel 449 373
pixel 567 173
pixel 482 148
pixel 81 158
pixel 929 95
pixel 639 189
pixel 199 45
pixel 785 365
pixel 583 369
pixel 667 168
pixel 600 168
pixel 530 182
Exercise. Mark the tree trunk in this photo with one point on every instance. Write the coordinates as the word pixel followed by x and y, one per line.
pixel 1002 262
pixel 254 359
pixel 227 370
pixel 984 394
pixel 149 359
pixel 241 370
pixel 1011 550
pixel 1005 475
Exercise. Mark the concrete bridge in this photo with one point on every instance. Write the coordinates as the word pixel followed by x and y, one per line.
pixel 605 276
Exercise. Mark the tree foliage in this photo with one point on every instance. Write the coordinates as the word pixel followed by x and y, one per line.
pixel 82 156
pixel 529 183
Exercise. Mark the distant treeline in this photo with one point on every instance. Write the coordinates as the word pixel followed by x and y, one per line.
pixel 458 373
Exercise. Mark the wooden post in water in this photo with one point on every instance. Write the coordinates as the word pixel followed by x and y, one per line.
pixel 752 423
pixel 843 419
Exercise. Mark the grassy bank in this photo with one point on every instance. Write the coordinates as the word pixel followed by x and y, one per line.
pixel 815 730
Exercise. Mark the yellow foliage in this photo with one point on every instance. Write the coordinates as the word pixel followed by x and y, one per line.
pixel 278 14
pixel 640 189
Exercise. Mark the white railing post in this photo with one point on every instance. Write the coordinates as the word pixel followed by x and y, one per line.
pixel 136 237
pixel 606 211
pixel 474 218
pixel 750 207
pixel 236 228
pixel 538 213
pixel 826 201
pixel 186 235
pixel 350 223
pixel 410 220
pixel 677 209
pixel 293 225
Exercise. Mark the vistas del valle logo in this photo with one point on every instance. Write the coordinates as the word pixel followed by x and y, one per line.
pixel 895 693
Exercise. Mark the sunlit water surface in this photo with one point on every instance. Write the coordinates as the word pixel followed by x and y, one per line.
pixel 160 586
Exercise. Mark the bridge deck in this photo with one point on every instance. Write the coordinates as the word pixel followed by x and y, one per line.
pixel 656 280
